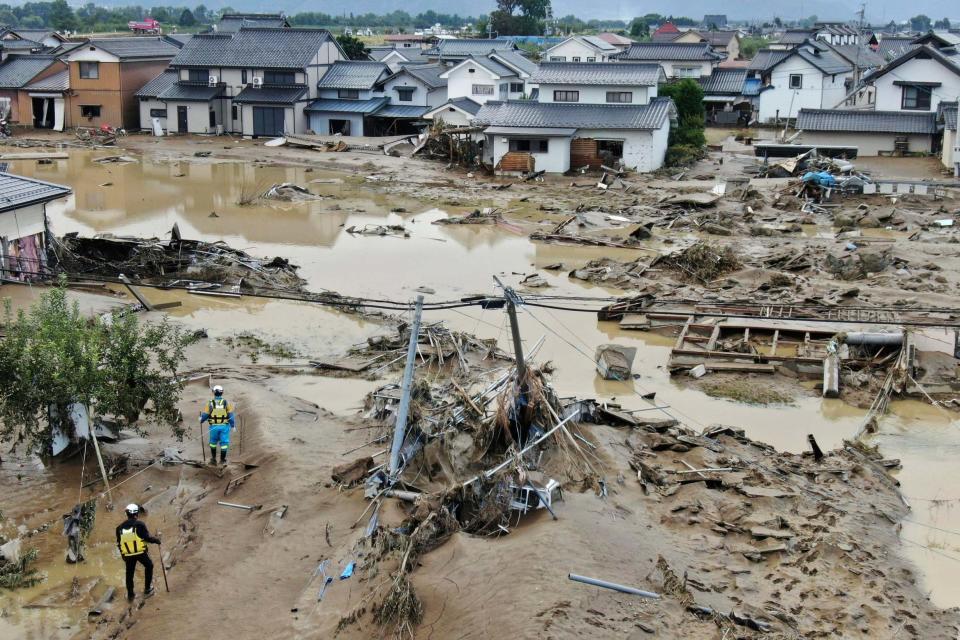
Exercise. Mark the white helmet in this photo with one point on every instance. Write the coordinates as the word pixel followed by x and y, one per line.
pixel 217 390
pixel 133 509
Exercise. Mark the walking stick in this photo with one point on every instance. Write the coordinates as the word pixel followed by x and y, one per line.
pixel 203 450
pixel 163 567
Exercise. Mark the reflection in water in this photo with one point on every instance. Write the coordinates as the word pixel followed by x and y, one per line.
pixel 147 198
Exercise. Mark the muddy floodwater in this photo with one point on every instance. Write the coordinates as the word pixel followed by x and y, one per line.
pixel 146 198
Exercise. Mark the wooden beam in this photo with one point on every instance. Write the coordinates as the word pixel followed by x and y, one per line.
pixel 773 345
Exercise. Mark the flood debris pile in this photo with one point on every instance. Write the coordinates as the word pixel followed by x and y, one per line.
pixel 16 570
pixel 289 192
pixel 703 262
pixel 174 262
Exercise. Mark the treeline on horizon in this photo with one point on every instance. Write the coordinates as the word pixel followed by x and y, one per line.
pixel 92 18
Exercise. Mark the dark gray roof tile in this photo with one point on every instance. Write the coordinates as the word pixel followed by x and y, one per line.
pixel 656 52
pixel 843 120
pixel 728 81
pixel 464 48
pixel 353 74
pixel 260 48
pixel 57 82
pixel 158 85
pixel 527 113
pixel 17 192
pixel 17 70
pixel 271 94
pixel 628 74
pixel 232 22
pixel 189 92
pixel 131 48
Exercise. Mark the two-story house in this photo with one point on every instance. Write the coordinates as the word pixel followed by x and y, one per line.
pixel 106 73
pixel 499 75
pixel 811 76
pixel 587 114
pixel 919 80
pixel 255 81
pixel 396 57
pixel 581 49
pixel 452 51
pixel 678 60
pixel 347 97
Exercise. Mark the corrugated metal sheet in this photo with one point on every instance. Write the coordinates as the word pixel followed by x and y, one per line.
pixel 348 106
pixel 848 120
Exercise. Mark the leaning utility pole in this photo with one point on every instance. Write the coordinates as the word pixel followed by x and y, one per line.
pixel 512 301
pixel 400 429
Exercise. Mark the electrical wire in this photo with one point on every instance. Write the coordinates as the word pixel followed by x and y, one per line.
pixel 934 551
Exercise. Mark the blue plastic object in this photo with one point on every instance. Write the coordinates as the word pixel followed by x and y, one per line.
pixel 348 571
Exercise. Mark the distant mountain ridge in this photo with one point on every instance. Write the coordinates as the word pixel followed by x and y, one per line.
pixel 755 10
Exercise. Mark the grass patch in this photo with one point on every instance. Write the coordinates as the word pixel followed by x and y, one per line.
pixel 255 347
pixel 746 391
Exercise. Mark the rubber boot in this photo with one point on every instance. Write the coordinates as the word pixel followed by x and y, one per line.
pixel 213 456
pixel 223 456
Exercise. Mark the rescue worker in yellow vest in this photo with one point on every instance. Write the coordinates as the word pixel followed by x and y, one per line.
pixel 220 415
pixel 132 539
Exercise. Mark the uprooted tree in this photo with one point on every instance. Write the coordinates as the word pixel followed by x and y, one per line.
pixel 53 357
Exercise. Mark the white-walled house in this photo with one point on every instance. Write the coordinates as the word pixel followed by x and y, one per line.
pixel 396 57
pixel 811 76
pixel 255 81
pixel 23 225
pixel 598 82
pixel 679 60
pixel 487 78
pixel 581 49
pixel 919 80
pixel 456 112
pixel 874 133
pixel 347 95
pixel 524 135
pixel 416 85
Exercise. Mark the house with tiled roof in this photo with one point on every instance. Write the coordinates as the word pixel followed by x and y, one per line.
pixel 25 41
pixel 347 98
pixel 105 75
pixel 455 112
pixel 811 76
pixel 452 51
pixel 525 136
pixel 17 72
pixel 617 40
pixel 873 133
pixel 918 80
pixel 395 57
pixel 724 42
pixel 729 97
pixel 233 22
pixel 679 60
pixel 499 75
pixel 582 49
pixel 255 81
pixel 23 225
pixel 667 32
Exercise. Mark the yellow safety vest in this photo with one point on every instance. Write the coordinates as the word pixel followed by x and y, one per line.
pixel 130 543
pixel 219 411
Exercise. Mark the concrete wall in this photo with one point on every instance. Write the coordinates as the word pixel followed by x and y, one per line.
pixel 889 96
pixel 556 160
pixel 461 81
pixel 320 122
pixel 198 116
pixel 146 122
pixel 950 156
pixel 671 67
pixel 575 48
pixel 869 144
pixel 818 91
pixel 593 94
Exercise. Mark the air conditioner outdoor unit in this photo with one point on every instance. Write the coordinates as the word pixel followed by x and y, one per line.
pixel 212 81
pixel 257 83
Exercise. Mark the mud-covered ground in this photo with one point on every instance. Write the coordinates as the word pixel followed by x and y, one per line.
pixel 856 560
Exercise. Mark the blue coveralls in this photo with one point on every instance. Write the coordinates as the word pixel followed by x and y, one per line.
pixel 219 431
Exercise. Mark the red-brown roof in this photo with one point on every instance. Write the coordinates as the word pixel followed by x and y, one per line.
pixel 614 39
pixel 667 27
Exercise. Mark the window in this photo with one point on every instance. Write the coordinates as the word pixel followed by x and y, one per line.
pixel 558 58
pixel 198 75
pixel 516 87
pixel 405 94
pixel 234 112
pixel 916 97
pixel 279 77
pixel 243 76
pixel 90 70
pixel 575 59
pixel 348 94
pixel 566 96
pixel 530 146
pixel 687 72
pixel 158 113
pixel 591 59
pixel 89 111
pixel 482 90
pixel 620 96
pixel 796 81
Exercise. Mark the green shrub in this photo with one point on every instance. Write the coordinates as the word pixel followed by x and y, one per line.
pixel 682 155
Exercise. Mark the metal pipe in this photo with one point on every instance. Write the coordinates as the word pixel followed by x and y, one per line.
pixel 399 431
pixel 613 585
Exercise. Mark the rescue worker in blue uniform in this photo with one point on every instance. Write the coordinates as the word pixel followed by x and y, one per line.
pixel 219 414
pixel 132 539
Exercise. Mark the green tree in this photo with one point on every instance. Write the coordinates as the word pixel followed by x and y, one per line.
pixel 353 47
pixel 943 24
pixel 62 17
pixel 53 356
pixel 687 95
pixel 519 17
pixel 639 28
pixel 920 23
pixel 187 19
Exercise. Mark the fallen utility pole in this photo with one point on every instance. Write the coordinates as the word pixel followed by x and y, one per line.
pixel 512 301
pixel 613 585
pixel 400 429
